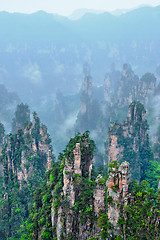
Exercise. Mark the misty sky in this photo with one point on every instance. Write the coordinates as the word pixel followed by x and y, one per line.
pixel 66 7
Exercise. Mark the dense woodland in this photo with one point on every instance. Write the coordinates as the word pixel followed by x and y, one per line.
pixel 30 192
pixel 92 171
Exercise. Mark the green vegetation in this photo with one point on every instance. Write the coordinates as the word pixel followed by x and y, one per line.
pixel 33 200
pixel 22 115
pixel 23 171
pixel 141 213
pixel 2 131
pixel 39 221
pixel 140 218
pixel 135 145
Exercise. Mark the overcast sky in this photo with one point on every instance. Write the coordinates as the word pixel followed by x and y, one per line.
pixel 66 7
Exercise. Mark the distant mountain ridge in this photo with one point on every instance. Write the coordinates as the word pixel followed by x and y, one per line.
pixel 79 13
pixel 47 25
pixel 43 52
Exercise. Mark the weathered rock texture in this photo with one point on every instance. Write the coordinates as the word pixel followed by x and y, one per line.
pixel 99 196
pixel 128 87
pixel 67 220
pixel 27 151
pixel 49 160
pixel 115 151
pixel 117 188
pixel 24 160
pixel 77 159
pixel 129 139
pixel 69 223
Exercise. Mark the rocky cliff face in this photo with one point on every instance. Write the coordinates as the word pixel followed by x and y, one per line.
pixel 99 196
pixel 25 157
pixel 146 87
pixel 83 205
pixel 68 220
pixel 115 151
pixel 71 220
pixel 129 139
pixel 127 90
pixel 121 88
pixel 82 200
pixel 117 189
pixel 9 101
pixel 90 110
pixel 27 151
pixel 21 116
pixel 128 87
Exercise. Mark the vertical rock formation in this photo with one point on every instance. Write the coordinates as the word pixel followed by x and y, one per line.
pixel 22 115
pixel 59 107
pixel 127 90
pixel 115 150
pixel 128 140
pixel 90 112
pixel 117 185
pixel 111 83
pixel 68 220
pixel 2 131
pixel 24 160
pixel 86 97
pixel 119 94
pixel 25 148
pixel 146 88
pixel 107 88
pixel 99 195
pixel 70 169
pixel 69 190
pixel 49 160
pixel 77 159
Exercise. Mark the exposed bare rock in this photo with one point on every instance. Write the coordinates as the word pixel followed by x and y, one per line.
pixel 72 173
pixel 59 224
pixel 32 142
pixel 77 159
pixel 117 189
pixel 115 151
pixel 129 137
pixel 49 160
pixel 99 195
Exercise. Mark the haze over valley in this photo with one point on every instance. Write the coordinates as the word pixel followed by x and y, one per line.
pixel 80 124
